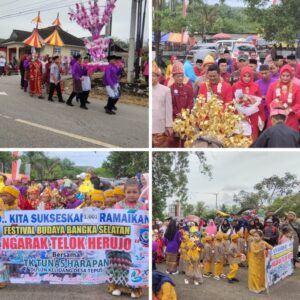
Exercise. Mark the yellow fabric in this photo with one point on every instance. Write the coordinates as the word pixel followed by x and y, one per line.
pixel 208 60
pixel 256 266
pixel 2 185
pixel 208 238
pixel 219 236
pixel 11 190
pixel 219 269
pixel 167 292
pixel 207 267
pixel 234 237
pixel 169 71
pixel 233 271
pixel 118 190
pixel 97 195
pixel 109 193
pixel 87 186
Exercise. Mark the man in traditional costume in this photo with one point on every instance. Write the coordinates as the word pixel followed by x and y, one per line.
pixel 198 68
pixel 181 91
pixel 36 78
pixel 279 135
pixel 216 86
pixel 161 110
pixel 287 94
pixel 231 64
pixel 222 63
pixel 26 65
pixel 111 81
pixel 292 61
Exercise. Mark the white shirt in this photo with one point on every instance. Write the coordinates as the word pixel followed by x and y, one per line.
pixel 162 112
pixel 2 62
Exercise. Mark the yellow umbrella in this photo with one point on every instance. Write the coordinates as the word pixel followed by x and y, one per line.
pixel 54 39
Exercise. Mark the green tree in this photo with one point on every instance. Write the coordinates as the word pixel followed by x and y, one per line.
pixel 285 204
pixel 6 160
pixel 127 164
pixel 200 209
pixel 277 22
pixel 188 210
pixel 169 178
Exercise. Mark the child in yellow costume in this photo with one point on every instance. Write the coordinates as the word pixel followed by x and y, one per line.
pixel 249 241
pixel 9 200
pixel 97 199
pixel 110 199
pixel 234 258
pixel 183 253
pixel 207 256
pixel 242 246
pixel 226 244
pixel 193 270
pixel 119 193
pixel 86 186
pixel 256 262
pixel 219 257
pixel 163 287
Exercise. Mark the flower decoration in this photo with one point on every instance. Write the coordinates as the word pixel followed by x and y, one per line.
pixel 94 22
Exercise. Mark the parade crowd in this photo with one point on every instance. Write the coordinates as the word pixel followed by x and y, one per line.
pixel 43 76
pixel 266 95
pixel 201 249
pixel 88 190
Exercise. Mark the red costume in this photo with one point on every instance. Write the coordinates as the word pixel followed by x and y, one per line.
pixel 226 77
pixel 36 78
pixel 252 89
pixel 287 94
pixel 182 97
pixel 226 91
pixel 198 72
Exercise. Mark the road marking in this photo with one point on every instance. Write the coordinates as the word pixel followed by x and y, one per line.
pixel 6 117
pixel 72 135
pixel 3 94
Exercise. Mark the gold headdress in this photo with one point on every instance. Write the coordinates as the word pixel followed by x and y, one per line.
pixel 213 121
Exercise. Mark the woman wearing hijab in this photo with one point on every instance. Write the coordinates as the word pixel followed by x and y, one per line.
pixel 211 228
pixel 144 197
pixel 287 94
pixel 172 241
pixel 249 88
pixel 225 227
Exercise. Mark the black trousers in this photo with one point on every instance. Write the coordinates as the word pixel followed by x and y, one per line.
pixel 111 102
pixel 85 96
pixel 22 79
pixel 54 87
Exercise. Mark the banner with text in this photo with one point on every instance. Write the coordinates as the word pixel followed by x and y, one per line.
pixel 86 246
pixel 279 263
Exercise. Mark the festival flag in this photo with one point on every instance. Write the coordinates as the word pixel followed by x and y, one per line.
pixel 57 22
pixel 37 20
pixel 184 8
pixel 16 164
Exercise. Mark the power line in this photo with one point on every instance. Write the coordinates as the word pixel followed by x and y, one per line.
pixel 36 8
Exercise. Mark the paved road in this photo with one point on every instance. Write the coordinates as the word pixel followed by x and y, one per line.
pixel 288 289
pixel 31 122
pixel 59 292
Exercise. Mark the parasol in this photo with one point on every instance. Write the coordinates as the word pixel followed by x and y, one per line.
pixel 54 39
pixel 35 41
pixel 222 36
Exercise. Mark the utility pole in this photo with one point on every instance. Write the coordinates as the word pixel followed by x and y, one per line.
pixel 131 50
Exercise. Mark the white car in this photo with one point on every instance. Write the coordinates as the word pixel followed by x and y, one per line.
pixel 244 48
pixel 200 51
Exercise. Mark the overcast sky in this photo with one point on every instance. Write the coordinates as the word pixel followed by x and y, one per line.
pixel 82 158
pixel 120 27
pixel 234 171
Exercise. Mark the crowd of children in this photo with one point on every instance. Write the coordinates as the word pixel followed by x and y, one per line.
pixel 204 251
pixel 68 194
